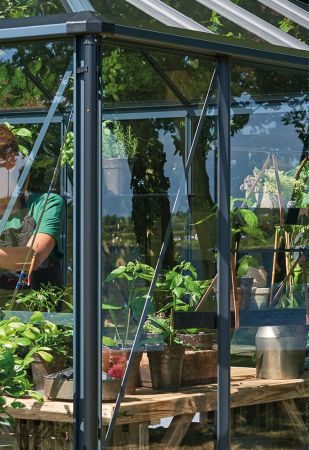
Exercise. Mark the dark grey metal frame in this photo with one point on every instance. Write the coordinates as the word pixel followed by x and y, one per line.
pixel 86 28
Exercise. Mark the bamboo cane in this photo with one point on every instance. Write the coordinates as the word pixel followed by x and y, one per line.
pixel 236 302
pixel 305 281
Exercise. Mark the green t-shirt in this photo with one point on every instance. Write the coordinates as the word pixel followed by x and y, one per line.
pixel 52 218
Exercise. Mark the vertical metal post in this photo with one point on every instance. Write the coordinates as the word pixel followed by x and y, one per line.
pixel 87 247
pixel 224 316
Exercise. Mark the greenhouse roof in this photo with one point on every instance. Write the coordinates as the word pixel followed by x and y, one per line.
pixel 236 27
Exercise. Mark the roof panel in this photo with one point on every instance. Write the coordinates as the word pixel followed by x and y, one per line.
pixel 237 11
pixel 211 19
pixel 289 10
pixel 263 10
pixel 11 9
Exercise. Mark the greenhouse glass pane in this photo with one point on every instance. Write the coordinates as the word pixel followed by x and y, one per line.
pixel 12 9
pixel 35 291
pixel 211 20
pixel 301 4
pixel 270 188
pixel 30 75
pixel 119 11
pixel 275 19
pixel 148 199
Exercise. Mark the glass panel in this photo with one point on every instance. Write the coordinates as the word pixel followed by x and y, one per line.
pixel 119 11
pixel 12 9
pixel 211 20
pixel 272 17
pixel 301 4
pixel 30 75
pixel 144 153
pixel 270 218
pixel 36 327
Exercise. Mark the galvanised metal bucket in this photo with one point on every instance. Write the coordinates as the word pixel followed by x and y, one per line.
pixel 280 351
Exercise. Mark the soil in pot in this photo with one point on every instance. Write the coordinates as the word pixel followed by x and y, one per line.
pixel 114 363
pixel 41 368
pixel 198 340
pixel 166 367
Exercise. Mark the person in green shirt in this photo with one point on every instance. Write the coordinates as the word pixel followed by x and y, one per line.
pixel 31 240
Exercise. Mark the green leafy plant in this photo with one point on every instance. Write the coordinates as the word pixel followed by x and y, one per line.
pixel 118 142
pixel 24 137
pixel 19 342
pixel 47 299
pixel 137 277
pixel 177 289
pixel 292 189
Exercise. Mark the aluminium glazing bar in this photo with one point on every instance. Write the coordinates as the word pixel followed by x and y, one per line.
pixel 252 23
pixel 77 5
pixel 139 331
pixel 287 9
pixel 224 252
pixel 167 15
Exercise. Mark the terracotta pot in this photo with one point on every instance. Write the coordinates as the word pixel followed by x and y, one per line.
pixel 199 367
pixel 41 368
pixel 114 363
pixel 166 367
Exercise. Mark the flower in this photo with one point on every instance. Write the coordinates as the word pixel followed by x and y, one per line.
pixel 116 371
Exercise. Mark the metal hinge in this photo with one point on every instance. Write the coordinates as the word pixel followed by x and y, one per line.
pixel 82 69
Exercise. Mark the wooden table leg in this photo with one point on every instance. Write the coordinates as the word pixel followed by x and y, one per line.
pixel 134 436
pixel 177 430
pixel 296 419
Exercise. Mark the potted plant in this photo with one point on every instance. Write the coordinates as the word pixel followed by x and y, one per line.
pixel 293 187
pixel 17 347
pixel 58 338
pixel 178 289
pixel 134 279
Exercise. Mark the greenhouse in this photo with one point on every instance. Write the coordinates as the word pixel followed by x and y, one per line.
pixel 154 224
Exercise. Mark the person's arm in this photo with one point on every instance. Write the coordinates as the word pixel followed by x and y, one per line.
pixel 43 245
pixel 14 258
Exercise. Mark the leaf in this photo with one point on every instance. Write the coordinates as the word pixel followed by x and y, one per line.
pixel 109 342
pixel 37 396
pixel 24 342
pixel 17 405
pixel 24 132
pixel 23 150
pixel 179 292
pixel 117 273
pixel 27 333
pixel 249 217
pixel 45 356
pixel 108 306
pixel 9 344
pixel 37 317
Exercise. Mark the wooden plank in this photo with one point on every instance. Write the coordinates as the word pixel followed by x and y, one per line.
pixel 138 436
pixel 148 406
pixel 177 430
pixel 53 411
pixel 297 422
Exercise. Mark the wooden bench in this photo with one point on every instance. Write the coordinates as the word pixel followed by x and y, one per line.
pixel 138 411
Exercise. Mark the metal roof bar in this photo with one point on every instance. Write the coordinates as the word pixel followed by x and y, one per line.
pixel 287 9
pixel 77 5
pixel 58 26
pixel 167 15
pixel 252 23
